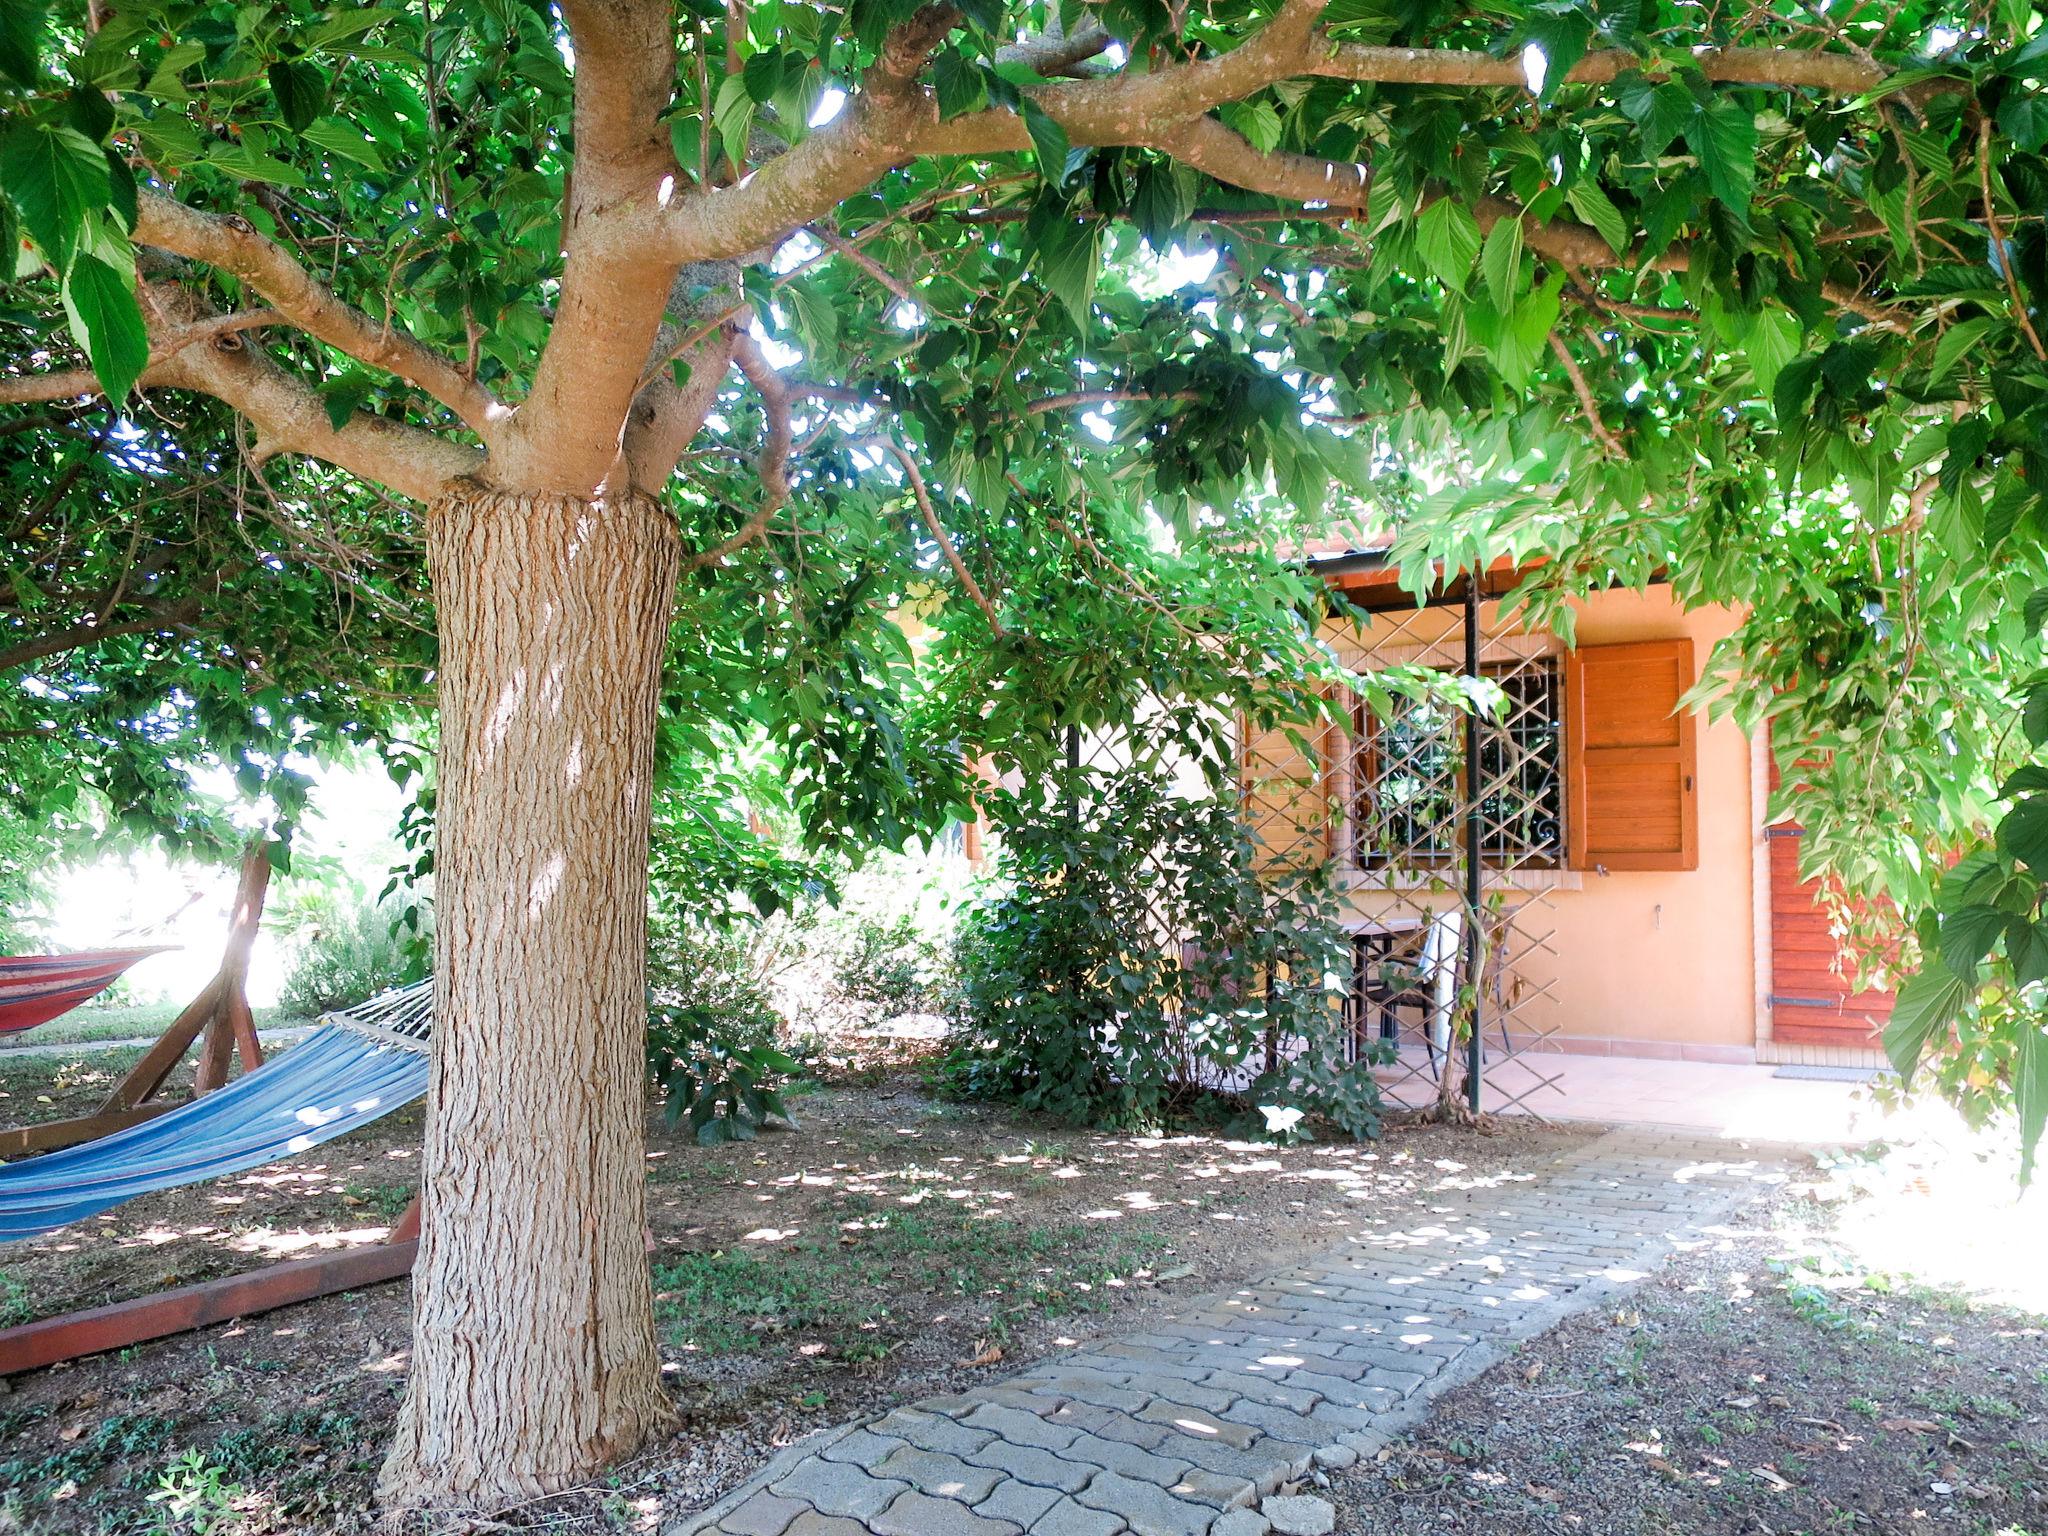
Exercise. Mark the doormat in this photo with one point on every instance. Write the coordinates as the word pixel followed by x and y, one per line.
pixel 1832 1074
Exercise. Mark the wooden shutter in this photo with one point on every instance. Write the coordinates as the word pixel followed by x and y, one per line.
pixel 1631 758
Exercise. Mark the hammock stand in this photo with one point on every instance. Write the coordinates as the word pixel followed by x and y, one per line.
pixel 146 1159
pixel 220 1012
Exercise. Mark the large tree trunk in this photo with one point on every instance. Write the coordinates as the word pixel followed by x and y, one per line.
pixel 534 1360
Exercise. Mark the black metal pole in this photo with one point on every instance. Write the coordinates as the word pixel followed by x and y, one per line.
pixel 1472 829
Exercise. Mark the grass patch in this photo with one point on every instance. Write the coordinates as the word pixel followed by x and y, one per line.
pixel 835 1287
pixel 139 1022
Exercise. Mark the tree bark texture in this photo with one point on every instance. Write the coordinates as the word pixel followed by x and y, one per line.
pixel 534 1360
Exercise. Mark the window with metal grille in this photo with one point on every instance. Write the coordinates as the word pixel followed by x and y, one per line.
pixel 1408 782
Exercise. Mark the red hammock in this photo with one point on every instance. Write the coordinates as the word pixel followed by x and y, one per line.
pixel 36 988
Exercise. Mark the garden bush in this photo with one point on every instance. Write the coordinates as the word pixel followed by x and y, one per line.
pixel 1132 963
pixel 712 1023
pixel 897 965
pixel 355 950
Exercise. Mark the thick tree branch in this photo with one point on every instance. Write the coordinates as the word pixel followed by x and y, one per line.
pixel 1838 74
pixel 1057 52
pixel 232 245
pixel 75 383
pixel 1222 152
pixel 165 616
pixel 667 416
pixel 890 124
pixel 289 417
pixel 569 434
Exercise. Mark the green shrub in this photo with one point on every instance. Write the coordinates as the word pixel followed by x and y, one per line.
pixel 725 1091
pixel 895 966
pixel 1133 963
pixel 711 1025
pixel 357 952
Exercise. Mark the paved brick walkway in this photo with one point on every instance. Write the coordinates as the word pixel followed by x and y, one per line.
pixel 1179 1430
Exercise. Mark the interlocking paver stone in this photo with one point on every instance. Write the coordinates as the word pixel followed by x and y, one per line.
pixel 1147 1508
pixel 917 1514
pixel 1021 1503
pixel 762 1515
pixel 1071 1519
pixel 1176 1429
pixel 937 1473
pixel 1300 1515
pixel 836 1488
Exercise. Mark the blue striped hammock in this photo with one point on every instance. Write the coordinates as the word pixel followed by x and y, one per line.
pixel 360 1065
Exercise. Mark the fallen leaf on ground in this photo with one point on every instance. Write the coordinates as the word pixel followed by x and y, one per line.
pixel 1912 1426
pixel 1770 1475
pixel 988 1356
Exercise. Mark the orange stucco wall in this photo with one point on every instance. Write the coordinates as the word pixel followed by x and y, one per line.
pixel 1645 962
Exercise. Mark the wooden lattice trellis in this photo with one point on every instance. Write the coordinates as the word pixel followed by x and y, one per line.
pixel 1446 827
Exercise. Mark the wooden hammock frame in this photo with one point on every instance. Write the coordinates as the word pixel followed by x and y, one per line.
pixel 98 1329
pixel 220 1013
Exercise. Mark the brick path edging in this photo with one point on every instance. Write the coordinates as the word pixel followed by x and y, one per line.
pixel 1178 1429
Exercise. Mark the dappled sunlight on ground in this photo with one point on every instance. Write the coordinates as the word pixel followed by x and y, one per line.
pixel 1944 1211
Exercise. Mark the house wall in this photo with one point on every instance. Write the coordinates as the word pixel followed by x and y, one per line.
pixel 1636 962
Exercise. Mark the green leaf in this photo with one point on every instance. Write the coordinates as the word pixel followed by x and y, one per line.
pixel 1258 121
pixel 2035 611
pixel 1561 37
pixel 21 38
pixel 1591 203
pixel 2024 119
pixel 344 27
pixel 1500 262
pixel 733 113
pixel 300 87
pixel 817 319
pixel 2030 1092
pixel 1447 240
pixel 957 83
pixel 1048 142
pixel 1659 110
pixel 1955 341
pixel 1162 197
pixel 249 164
pixel 340 137
pixel 1773 342
pixel 1926 1004
pixel 762 74
pixel 56 176
pixel 1067 259
pixel 2023 834
pixel 1967 936
pixel 1723 135
pixel 100 304
pixel 344 395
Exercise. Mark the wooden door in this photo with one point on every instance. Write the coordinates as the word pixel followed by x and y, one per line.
pixel 1812 973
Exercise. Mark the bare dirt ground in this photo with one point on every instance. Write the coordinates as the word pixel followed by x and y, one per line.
pixel 1763 1386
pixel 892 1247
